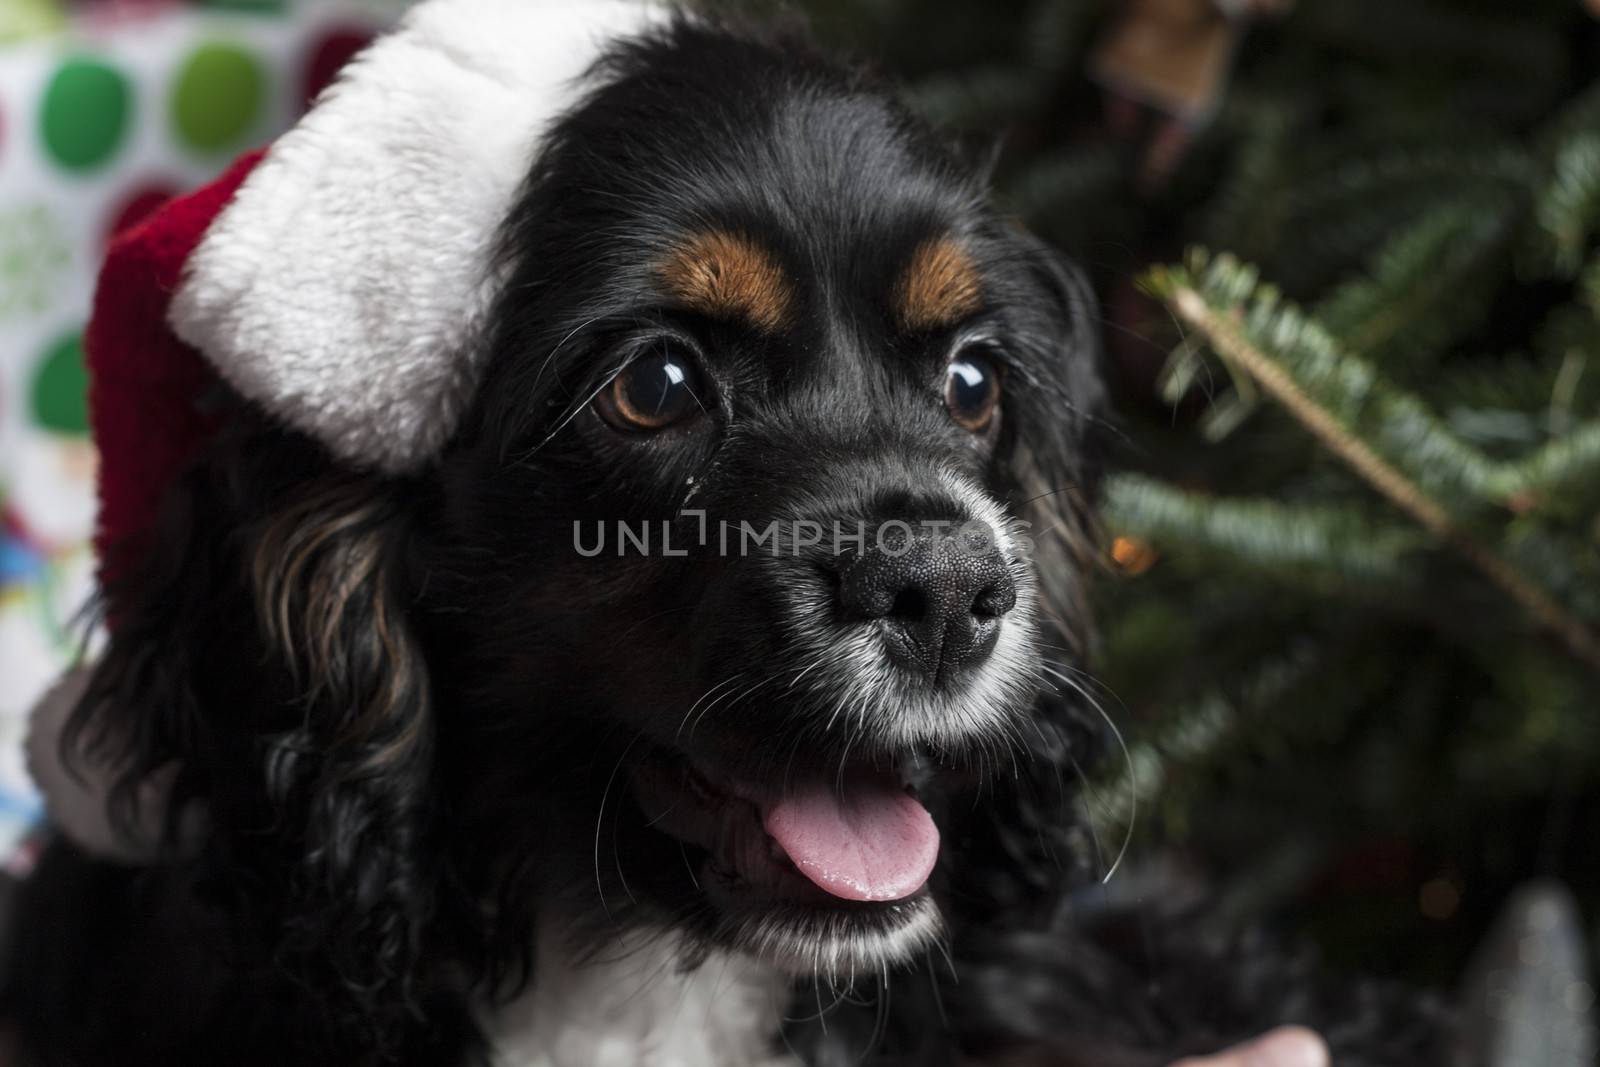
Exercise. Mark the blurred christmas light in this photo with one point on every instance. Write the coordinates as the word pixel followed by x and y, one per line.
pixel 1133 555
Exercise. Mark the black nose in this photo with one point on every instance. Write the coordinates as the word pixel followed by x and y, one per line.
pixel 938 600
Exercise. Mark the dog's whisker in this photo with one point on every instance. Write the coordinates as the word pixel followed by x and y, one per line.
pixel 1091 797
pixel 652 618
pixel 556 351
pixel 788 767
pixel 1050 493
pixel 814 665
pixel 599 823
pixel 823 1011
pixel 735 702
pixel 670 809
pixel 881 1021
pixel 942 943
pixel 573 412
pixel 732 678
pixel 683 852
pixel 1087 676
pixel 706 708
pixel 737 698
pixel 844 759
pixel 1127 756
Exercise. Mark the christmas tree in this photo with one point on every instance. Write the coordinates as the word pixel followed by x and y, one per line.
pixel 1347 256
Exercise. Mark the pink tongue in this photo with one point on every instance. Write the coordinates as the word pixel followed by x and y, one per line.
pixel 875 842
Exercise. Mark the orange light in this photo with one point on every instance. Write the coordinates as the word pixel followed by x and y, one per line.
pixel 1133 555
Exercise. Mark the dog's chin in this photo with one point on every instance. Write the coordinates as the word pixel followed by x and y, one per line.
pixel 873 911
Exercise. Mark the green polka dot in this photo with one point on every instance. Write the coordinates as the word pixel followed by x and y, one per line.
pixel 218 97
pixel 61 389
pixel 85 113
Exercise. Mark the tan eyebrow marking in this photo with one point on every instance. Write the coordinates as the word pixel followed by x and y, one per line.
pixel 728 275
pixel 940 286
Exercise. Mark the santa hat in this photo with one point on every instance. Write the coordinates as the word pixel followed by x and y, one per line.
pixel 335 278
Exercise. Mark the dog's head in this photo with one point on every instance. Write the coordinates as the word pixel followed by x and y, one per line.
pixel 736 601
pixel 738 524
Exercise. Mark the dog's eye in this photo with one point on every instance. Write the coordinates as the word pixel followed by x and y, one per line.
pixel 972 389
pixel 659 388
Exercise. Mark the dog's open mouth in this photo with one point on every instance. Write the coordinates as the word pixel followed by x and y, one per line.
pixel 854 839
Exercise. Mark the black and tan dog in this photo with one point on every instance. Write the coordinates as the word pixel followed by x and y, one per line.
pixel 706 691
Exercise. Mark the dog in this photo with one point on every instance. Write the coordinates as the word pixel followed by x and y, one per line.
pixel 716 695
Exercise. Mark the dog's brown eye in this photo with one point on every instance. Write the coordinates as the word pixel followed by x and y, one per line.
pixel 656 390
pixel 972 389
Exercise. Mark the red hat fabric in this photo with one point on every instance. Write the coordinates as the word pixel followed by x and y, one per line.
pixel 337 277
pixel 145 384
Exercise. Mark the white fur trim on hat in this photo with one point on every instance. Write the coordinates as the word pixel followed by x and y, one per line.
pixel 341 287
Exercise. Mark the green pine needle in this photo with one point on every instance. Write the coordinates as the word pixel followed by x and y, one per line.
pixel 1294 542
pixel 1568 209
pixel 1397 424
pixel 1425 288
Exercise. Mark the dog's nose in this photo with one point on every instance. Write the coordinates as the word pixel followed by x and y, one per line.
pixel 938 600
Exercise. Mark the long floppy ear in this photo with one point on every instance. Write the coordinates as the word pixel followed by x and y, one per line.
pixel 1031 841
pixel 263 686
pixel 264 674
pixel 1055 464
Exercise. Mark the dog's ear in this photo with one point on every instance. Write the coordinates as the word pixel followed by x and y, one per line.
pixel 1027 841
pixel 264 681
pixel 1053 458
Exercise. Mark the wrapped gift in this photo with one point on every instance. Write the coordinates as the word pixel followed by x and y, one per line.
pixel 106 110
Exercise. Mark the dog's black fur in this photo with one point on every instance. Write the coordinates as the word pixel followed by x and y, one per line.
pixel 402 705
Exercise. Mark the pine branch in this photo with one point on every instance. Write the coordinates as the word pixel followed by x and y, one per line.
pixel 1426 287
pixel 1579 115
pixel 1247 707
pixel 1248 209
pixel 1559 556
pixel 1243 325
pixel 1568 460
pixel 1362 182
pixel 1398 425
pixel 1589 286
pixel 1332 217
pixel 1295 541
pixel 1568 209
pixel 1543 394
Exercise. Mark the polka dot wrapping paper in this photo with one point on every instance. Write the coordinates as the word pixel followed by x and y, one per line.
pixel 105 112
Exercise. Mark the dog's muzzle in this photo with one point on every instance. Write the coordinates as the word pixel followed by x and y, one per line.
pixel 937 599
